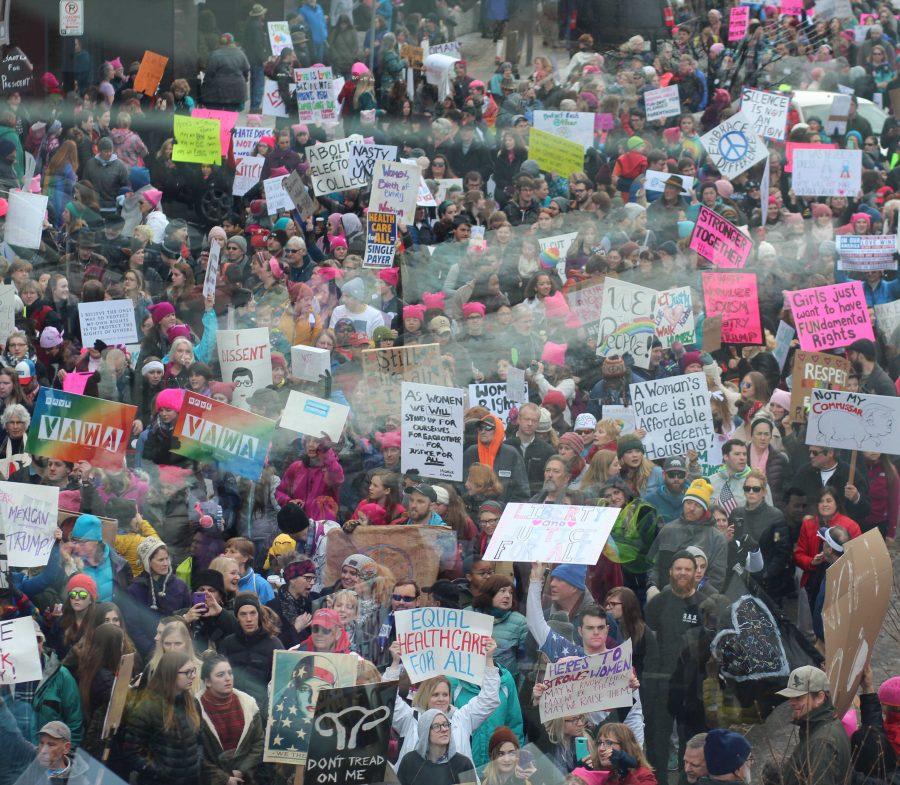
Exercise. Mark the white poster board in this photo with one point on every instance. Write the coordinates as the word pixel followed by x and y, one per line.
pixel 854 421
pixel 574 126
pixel 766 111
pixel 395 188
pixel 110 321
pixel 28 514
pixel 25 219
pixel 246 174
pixel 431 430
pixel 330 166
pixel 276 197
pixel 626 321
pixel 313 416
pixel 675 413
pixel 245 357
pixel 860 253
pixel 245 137
pixel 734 146
pixel 673 317
pixel 826 172
pixel 19 657
pixel 212 269
pixel 662 103
pixel 493 397
pixel 309 362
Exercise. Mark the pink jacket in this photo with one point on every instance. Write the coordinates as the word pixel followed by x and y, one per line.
pixel 308 483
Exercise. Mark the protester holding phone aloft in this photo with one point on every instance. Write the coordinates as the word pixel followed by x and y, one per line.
pixel 209 620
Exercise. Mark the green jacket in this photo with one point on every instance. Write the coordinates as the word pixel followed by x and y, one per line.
pixel 57 698
pixel 822 754
pixel 10 133
pixel 633 534
pixel 218 765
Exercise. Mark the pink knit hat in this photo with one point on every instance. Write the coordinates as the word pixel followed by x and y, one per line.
pixel 470 309
pixel 388 439
pixel 170 398
pixel 889 692
pixel 781 398
pixel 554 353
pixel 414 312
pixel 430 300
pixel 152 196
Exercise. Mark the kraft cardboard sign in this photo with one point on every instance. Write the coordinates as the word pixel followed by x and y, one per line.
pixel 813 370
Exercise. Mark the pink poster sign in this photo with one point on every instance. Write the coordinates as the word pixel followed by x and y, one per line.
pixel 735 298
pixel 792 7
pixel 738 20
pixel 791 146
pixel 720 241
pixel 827 317
pixel 226 125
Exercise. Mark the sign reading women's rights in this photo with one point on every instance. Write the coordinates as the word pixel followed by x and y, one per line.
pixel 28 515
pixel 812 370
pixel 246 360
pixel 854 421
pixel 19 657
pixel 432 426
pixel 673 317
pixel 443 642
pixel 73 428
pixel 577 685
pixel 329 166
pixel 827 317
pixel 110 321
pixel 395 187
pixel 734 145
pixel 553 533
pixel 675 413
pixel 734 297
pixel 719 240
pixel 494 397
pixel 626 321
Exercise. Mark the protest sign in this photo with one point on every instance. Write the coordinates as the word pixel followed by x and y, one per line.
pixel 767 112
pixel 791 147
pixel 381 239
pixel 734 146
pixel 8 294
pixel 315 100
pixel 244 139
pixel 28 514
pixel 819 172
pixel 110 321
pixel 673 317
pixel 279 36
pixel 73 428
pixel 887 318
pixel 451 48
pixel 626 321
pixel 815 370
pixel 493 397
pixel 246 360
pixel 16 70
pixel 444 184
pixel 432 427
pixel 298 677
pixel 313 416
pixel 443 642
pixel 783 339
pixel 552 533
pixel 25 219
pixel 792 7
pixel 276 198
pixel 662 103
pixel 395 187
pixel 555 154
pixel 738 19
pixel 19 657
pixel 720 241
pixel 574 126
pixel 363 157
pixel 425 199
pixel 854 421
pixel 585 300
pixel 384 369
pixel 838 115
pixel 295 188
pixel 516 385
pixel 211 276
pixel 197 140
pixel 585 684
pixel 273 104
pixel 623 416
pixel 656 181
pixel 329 166
pixel 149 75
pixel 213 432
pixel 554 249
pixel 309 362
pixel 828 317
pixel 860 253
pixel 414 55
pixel 734 297
pixel 439 72
pixel 857 597
pixel 675 413
pixel 477 241
pixel 764 192
pixel 226 125
pixel 115 709
pixel 351 733
pixel 247 174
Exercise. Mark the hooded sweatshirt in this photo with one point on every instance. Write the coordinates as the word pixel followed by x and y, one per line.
pixel 416 768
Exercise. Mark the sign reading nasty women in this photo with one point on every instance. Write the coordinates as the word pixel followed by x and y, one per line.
pixel 828 317
pixel 675 412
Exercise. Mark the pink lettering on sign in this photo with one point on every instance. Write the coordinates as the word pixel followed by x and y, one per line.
pixel 735 298
pixel 792 7
pixel 738 20
pixel 791 146
pixel 720 241
pixel 827 317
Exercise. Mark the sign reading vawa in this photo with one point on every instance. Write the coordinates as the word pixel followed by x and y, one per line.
pixel 854 421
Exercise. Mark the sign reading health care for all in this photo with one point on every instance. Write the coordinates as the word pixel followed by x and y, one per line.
pixel 381 239
pixel 553 533
pixel 73 428
pixel 734 297
pixel 443 642
pixel 720 241
pixel 860 253
pixel 210 431
pixel 854 421
pixel 828 317
pixel 675 412
pixel 28 515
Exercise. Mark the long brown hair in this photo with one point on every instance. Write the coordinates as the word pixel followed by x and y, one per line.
pixel 621 733
pixel 632 623
pixel 164 683
pixel 105 652
pixel 485 480
pixel 66 154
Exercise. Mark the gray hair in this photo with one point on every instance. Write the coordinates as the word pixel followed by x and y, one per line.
pixel 15 411
pixel 295 242
pixel 696 742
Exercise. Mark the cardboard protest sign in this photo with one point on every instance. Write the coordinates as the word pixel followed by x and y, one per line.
pixel 887 318
pixel 25 219
pixel 244 139
pixel 675 412
pixel 838 115
pixel 315 99
pixel 226 125
pixel 381 239
pixel 673 317
pixel 734 297
pixel 414 55
pixel 19 657
pixel 783 339
pixel 211 276
pixel 276 198
pixel 384 369
pixel 824 172
pixel 247 174
pixel 766 111
pixel 432 427
pixel 553 533
pixel 815 370
pixel 273 103
pixel 623 416
pixel 554 249
pixel 860 253
pixel 626 321
pixel 298 677
pixel 149 75
pixel 213 432
pixel 857 596
pixel 309 362
pixel 555 154
pixel 351 731
pixel 295 188
pixel 72 427
pixel 828 317
pixel 329 166
pixel 8 293
pixel 246 360
pixel 585 684
pixel 110 321
pixel 662 103
pixel 313 416
pixel 493 396
pixel 443 642
pixel 734 146
pixel 516 385
pixel 28 516
pixel 118 697
pixel 197 140
pixel 574 126
pixel 586 301
pixel 395 187
pixel 854 421
pixel 363 157
pixel 738 19
pixel 720 241
pixel 279 36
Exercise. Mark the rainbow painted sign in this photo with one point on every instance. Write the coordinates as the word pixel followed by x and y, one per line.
pixel 72 427
pixel 210 431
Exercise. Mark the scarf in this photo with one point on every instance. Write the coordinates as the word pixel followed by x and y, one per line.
pixel 290 608
pixel 488 452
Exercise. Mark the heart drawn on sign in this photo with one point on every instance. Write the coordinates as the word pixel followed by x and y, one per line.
pixel 752 648
pixel 673 314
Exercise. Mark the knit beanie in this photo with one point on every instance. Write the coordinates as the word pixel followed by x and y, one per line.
pixel 725 751
pixel 499 737
pixel 246 598
pixel 292 519
pixel 81 581
pixel 211 578
pixel 889 692
pixel 573 441
pixel 146 549
pixel 170 398
pixel 781 398
pixel 145 552
pixel 160 311
pixel 629 442
pixel 88 527
pixel 699 491
pixel 573 574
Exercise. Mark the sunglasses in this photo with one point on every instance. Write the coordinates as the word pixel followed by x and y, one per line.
pixel 318 629
pixel 753 489
pixel 485 427
pixel 78 594
pixel 403 598
pixel 676 475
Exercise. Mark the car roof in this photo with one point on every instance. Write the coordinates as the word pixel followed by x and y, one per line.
pixel 815 97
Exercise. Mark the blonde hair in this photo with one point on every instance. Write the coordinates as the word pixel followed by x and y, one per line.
pixel 223 565
pixel 758 474
pixel 556 729
pixel 598 469
pixel 367 672
pixel 611 427
pixel 622 734
pixel 426 690
pixel 485 480
pixel 346 594
pixel 180 628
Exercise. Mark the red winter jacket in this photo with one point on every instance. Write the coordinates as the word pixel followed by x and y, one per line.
pixel 808 543
pixel 308 483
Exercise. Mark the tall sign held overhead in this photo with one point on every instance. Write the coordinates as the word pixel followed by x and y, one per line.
pixel 734 146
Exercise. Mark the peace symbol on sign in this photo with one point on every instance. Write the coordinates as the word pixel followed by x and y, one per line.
pixel 733 146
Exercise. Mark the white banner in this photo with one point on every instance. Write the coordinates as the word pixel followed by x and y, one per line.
pixel 29 520
pixel 827 172
pixel 854 421
pixel 864 252
pixel 110 321
pixel 432 427
pixel 675 413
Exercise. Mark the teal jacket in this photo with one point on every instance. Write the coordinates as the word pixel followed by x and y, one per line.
pixel 511 633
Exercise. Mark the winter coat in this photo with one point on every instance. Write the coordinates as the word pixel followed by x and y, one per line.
pixel 417 770
pixel 308 483
pixel 767 525
pixel 809 480
pixel 251 658
pixel 57 698
pixel 509 468
pixel 344 49
pixel 809 543
pixel 142 618
pixel 511 633
pixel 822 754
pixel 225 81
pixel 129 147
pixel 107 177
pixel 217 764
pixel 634 534
pixel 535 457
pixel 679 534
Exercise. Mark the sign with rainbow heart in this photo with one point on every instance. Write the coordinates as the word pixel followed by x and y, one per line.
pixel 237 440
pixel 72 427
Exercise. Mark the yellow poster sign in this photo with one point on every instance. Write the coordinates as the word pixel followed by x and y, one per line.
pixel 197 140
pixel 555 154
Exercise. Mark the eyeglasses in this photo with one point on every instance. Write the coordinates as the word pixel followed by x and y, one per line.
pixel 189 672
pixel 586 432
pixel 607 743
pixel 404 598
pixel 612 604
pixel 816 453
pixel 318 629
pixel 78 594
pixel 474 316
pixel 753 489
pixel 488 521
pixel 441 726
pixel 309 578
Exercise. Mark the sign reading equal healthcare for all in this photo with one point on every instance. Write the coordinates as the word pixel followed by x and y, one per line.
pixel 860 253
pixel 626 321
pixel 828 317
pixel 767 111
pixel 553 533
pixel 811 370
pixel 443 642
pixel 28 515
pixel 675 413
pixel 110 321
pixel 432 427
pixel 734 297
pixel 720 241
pixel 854 421
pixel 584 684
pixel 210 431
pixel 734 146
pixel 824 172
pixel 73 428
pixel 381 239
